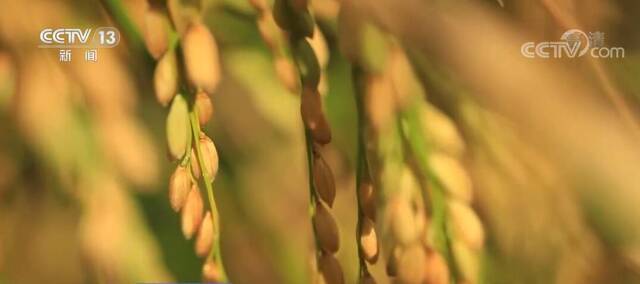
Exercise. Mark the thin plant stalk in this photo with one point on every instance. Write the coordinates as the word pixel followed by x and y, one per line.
pixel 361 171
pixel 215 248
pixel 313 198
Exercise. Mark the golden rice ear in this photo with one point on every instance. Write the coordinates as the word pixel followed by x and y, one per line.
pixel 368 241
pixel 165 78
pixel 330 269
pixel 294 17
pixel 205 236
pixel 156 30
pixel 326 229
pixel 201 60
pixel 323 180
pixel 179 186
pixel 204 107
pixel 192 212
pixel 411 264
pixel 196 68
pixel 178 128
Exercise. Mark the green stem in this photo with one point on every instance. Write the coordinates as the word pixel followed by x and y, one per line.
pixel 361 171
pixel 215 249
pixel 359 175
pixel 312 189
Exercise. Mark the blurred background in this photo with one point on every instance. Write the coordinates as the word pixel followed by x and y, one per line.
pixel 552 147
